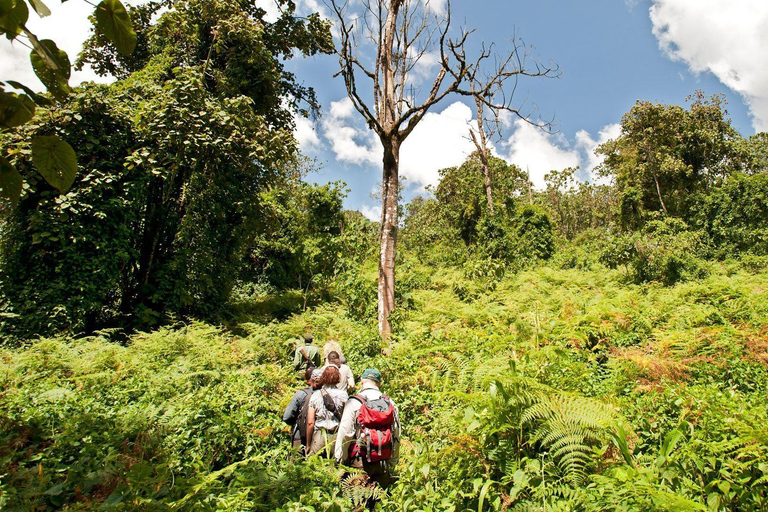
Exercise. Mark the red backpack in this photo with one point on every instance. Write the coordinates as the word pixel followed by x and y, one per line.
pixel 374 424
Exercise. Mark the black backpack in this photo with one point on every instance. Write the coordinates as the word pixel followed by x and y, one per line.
pixel 301 421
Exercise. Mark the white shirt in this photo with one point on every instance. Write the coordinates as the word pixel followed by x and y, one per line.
pixel 323 417
pixel 347 381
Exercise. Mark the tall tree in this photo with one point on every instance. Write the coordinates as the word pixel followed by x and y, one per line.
pixel 399 33
pixel 665 153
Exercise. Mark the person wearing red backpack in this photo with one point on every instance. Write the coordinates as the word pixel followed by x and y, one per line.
pixel 368 436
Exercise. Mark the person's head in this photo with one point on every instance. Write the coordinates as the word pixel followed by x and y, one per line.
pixel 331 346
pixel 308 374
pixel 371 376
pixel 333 358
pixel 331 376
pixel 308 338
pixel 317 375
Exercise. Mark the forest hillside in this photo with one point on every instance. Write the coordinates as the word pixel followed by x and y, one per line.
pixel 586 345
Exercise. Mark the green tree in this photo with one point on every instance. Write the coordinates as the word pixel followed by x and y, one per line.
pixel 300 244
pixel 192 156
pixel 576 205
pixel 462 191
pixel 667 153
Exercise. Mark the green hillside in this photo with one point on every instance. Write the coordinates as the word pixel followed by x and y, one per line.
pixel 562 388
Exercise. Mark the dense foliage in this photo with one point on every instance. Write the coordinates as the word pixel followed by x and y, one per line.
pixel 173 161
pixel 582 347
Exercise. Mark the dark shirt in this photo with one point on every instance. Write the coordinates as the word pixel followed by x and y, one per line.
pixel 291 414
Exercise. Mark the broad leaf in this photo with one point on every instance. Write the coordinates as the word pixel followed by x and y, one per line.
pixel 13 15
pixel 40 100
pixel 40 8
pixel 113 21
pixel 10 182
pixel 15 109
pixel 52 67
pixel 55 160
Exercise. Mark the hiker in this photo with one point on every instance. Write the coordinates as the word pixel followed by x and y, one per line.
pixel 333 346
pixel 307 355
pixel 369 432
pixel 325 406
pixel 295 414
pixel 347 382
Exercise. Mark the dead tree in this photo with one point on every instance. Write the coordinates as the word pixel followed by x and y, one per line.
pixel 382 43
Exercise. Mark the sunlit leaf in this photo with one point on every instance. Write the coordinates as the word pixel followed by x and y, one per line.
pixel 40 100
pixel 15 109
pixel 13 15
pixel 10 181
pixel 40 8
pixel 52 67
pixel 113 21
pixel 55 160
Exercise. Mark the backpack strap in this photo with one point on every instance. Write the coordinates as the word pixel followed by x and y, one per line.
pixel 330 405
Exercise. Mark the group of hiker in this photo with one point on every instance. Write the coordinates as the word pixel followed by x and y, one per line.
pixel 360 430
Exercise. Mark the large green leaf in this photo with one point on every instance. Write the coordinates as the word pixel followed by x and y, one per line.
pixel 10 181
pixel 52 67
pixel 15 109
pixel 13 15
pixel 113 21
pixel 40 8
pixel 40 100
pixel 55 160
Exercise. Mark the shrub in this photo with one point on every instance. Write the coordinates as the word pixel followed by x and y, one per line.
pixel 664 251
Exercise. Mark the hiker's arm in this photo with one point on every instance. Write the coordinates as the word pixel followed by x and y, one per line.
pixel 346 430
pixel 350 380
pixel 296 360
pixel 310 425
pixel 292 411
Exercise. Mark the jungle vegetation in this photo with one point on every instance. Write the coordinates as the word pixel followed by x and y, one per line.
pixel 579 347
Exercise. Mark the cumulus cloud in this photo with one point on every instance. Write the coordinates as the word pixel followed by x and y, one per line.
pixel 270 6
pixel 587 145
pixel 306 135
pixel 539 153
pixel 351 141
pixel 439 141
pixel 372 213
pixel 436 6
pixel 728 39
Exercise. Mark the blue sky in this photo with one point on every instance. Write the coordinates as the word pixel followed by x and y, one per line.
pixel 610 53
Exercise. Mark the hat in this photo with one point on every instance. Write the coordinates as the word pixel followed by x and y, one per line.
pixel 317 373
pixel 308 338
pixel 371 374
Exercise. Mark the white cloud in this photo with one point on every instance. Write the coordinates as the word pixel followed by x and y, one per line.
pixel 350 139
pixel 439 141
pixel 729 39
pixel 587 144
pixel 534 150
pixel 270 6
pixel 425 69
pixel 436 6
pixel 306 135
pixel 371 212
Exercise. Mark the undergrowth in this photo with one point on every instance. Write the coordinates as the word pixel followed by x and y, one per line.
pixel 563 387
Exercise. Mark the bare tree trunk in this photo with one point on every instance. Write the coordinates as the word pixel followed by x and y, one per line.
pixel 388 235
pixel 487 177
pixel 658 191
pixel 481 145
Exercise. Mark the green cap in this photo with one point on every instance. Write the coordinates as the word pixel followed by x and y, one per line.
pixel 308 338
pixel 371 374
